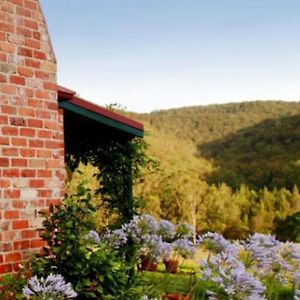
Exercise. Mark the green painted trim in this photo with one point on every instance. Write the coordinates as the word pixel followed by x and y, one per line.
pixel 100 119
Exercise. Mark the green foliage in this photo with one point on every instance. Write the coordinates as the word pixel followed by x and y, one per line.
pixel 96 272
pixel 120 163
pixel 11 286
pixel 232 168
pixel 289 229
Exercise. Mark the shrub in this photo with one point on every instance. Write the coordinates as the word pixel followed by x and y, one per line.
pixel 94 269
pixel 289 229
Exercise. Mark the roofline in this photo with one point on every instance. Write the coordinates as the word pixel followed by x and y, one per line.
pixel 68 100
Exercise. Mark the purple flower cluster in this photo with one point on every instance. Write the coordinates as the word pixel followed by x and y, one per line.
pixel 93 236
pixel 217 243
pixel 116 238
pixel 166 229
pixel 184 247
pixel 52 287
pixel 240 268
pixel 232 278
pixel 156 239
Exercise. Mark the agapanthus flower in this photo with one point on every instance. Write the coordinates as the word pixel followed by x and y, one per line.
pixel 232 277
pixel 153 247
pixel 217 243
pixel 184 247
pixel 93 236
pixel 166 229
pixel 116 238
pixel 49 287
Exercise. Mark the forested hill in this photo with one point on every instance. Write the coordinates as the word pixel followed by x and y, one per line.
pixel 256 143
pixel 208 123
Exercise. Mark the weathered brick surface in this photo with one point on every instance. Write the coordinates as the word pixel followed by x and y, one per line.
pixel 31 130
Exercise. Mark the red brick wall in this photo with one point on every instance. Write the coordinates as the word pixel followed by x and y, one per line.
pixel 31 129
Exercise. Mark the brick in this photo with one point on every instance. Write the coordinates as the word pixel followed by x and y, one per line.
pixel 4 162
pixel 8 109
pixel 42 75
pixel 50 86
pixel 16 141
pixel 24 12
pixel 8 68
pixel 3 120
pixel 17 121
pixel 28 132
pixel 29 234
pixel 19 162
pixel 18 2
pixel 45 194
pixel 22 224
pixel 15 79
pixel 37 203
pixel 36 183
pixel 8 236
pixel 26 112
pixel 51 125
pixel 31 4
pixel 2 36
pixel 13 257
pixel 37 243
pixel 35 44
pixel 7 48
pixel 53 164
pixel 23 71
pixel 53 202
pixel 37 143
pixel 4 141
pixel 8 89
pixel 10 131
pixel 36 35
pixel 4 183
pixel 42 95
pixel 44 134
pixel 31 24
pixel 11 194
pixel 20 245
pixel 27 152
pixel 39 55
pixel 6 268
pixel 10 151
pixel 37 163
pixel 11 214
pixel 28 194
pixel 11 173
pixel 16 39
pixel 3 57
pixel 20 204
pixel 28 173
pixel 31 176
pixel 3 78
pixel 32 63
pixel 5 226
pixel 35 123
pixel 6 27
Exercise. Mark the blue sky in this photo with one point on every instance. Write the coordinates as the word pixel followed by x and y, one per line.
pixel 157 54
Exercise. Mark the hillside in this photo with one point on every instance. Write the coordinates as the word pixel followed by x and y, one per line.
pixel 257 143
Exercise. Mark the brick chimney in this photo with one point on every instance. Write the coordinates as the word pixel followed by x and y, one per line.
pixel 31 130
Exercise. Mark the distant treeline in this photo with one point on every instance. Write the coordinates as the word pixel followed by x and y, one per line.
pixel 241 162
pixel 232 168
pixel 234 213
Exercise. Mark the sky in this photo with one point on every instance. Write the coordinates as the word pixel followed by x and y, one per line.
pixel 157 54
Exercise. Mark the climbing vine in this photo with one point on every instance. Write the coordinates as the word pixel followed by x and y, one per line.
pixel 121 163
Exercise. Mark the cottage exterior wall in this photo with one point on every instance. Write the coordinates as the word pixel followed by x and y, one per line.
pixel 31 130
